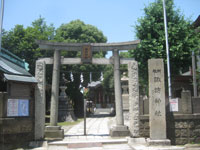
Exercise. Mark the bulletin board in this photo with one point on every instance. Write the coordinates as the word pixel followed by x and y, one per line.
pixel 17 107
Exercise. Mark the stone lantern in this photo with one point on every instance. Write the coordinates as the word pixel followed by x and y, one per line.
pixel 65 109
pixel 125 97
pixel 125 92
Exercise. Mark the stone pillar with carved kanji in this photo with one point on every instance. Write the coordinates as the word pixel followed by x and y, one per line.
pixel 157 107
pixel 40 99
pixel 133 99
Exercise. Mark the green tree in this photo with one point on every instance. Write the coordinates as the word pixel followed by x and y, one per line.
pixel 108 82
pixel 21 41
pixel 78 32
pixel 150 30
pixel 124 68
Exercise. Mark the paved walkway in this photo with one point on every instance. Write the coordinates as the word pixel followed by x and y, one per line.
pixel 96 138
pixel 95 128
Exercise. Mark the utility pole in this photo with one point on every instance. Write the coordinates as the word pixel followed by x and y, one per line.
pixel 167 51
pixel 1 21
pixel 194 74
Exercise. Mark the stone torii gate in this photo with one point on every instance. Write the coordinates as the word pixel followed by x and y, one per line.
pixel 87 48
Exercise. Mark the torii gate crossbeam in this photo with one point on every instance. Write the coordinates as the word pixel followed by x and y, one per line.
pixel 119 129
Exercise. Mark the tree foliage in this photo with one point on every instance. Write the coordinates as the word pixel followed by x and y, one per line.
pixel 150 30
pixel 78 32
pixel 21 41
pixel 108 82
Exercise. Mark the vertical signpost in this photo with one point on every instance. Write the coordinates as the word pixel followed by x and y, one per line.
pixel 85 116
pixel 86 57
pixel 157 115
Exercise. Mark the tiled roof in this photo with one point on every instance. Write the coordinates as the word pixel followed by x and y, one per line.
pixel 197 22
pixel 13 68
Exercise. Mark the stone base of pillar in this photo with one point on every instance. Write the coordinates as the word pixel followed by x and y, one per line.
pixel 66 116
pixel 137 140
pixel 53 133
pixel 117 131
pixel 163 142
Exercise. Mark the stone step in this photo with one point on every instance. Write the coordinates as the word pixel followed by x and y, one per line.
pixel 53 133
pixel 89 143
pixel 39 148
pixel 37 143
pixel 103 111
pixel 142 147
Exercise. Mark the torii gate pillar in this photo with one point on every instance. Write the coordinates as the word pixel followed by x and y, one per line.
pixel 119 129
pixel 54 131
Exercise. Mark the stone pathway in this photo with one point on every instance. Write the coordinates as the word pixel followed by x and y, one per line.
pixel 97 137
pixel 95 127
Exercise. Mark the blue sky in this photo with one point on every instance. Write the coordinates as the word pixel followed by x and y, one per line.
pixel 114 17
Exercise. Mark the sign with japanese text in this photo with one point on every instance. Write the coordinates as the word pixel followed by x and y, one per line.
pixel 173 105
pixel 17 107
pixel 86 54
pixel 157 99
